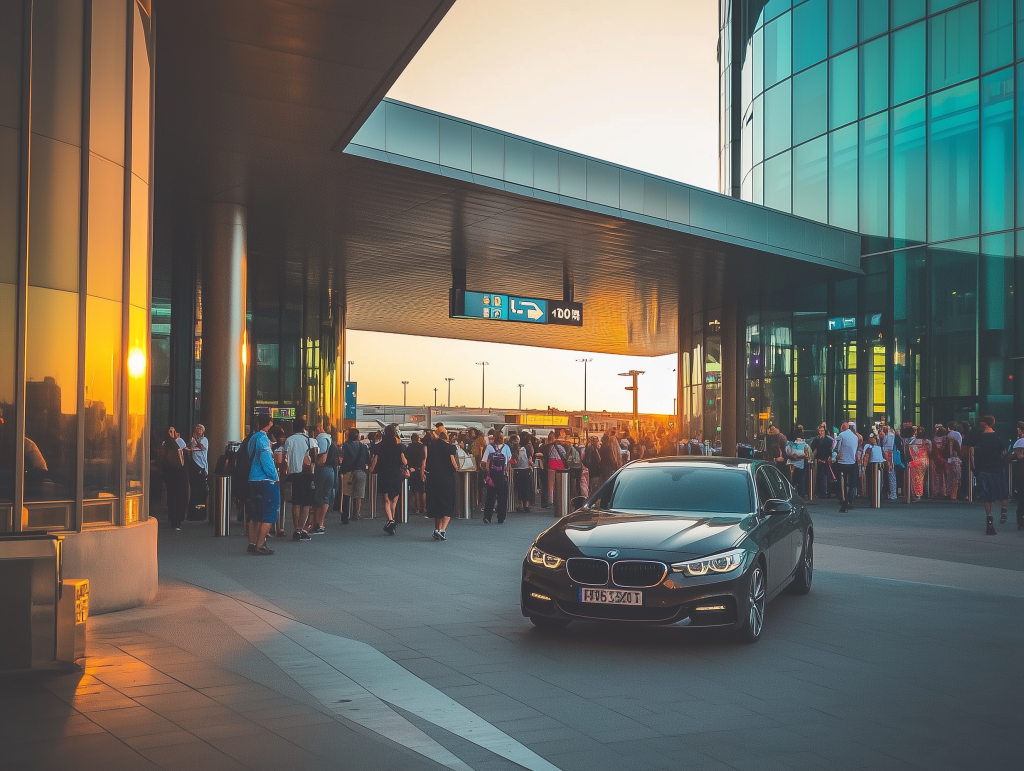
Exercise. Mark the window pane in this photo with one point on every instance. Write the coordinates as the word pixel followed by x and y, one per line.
pixel 758 130
pixel 51 395
pixel 1020 29
pixel 102 396
pixel 908 63
pixel 773 8
pixel 996 34
pixel 954 271
pixel 1020 156
pixel 9 188
pixel 954 47
pixel 842 178
pixel 909 190
pixel 995 312
pixel 8 316
pixel 810 103
pixel 810 36
pixel 810 180
pixel 106 95
pixel 874 175
pixel 777 117
pixel 874 17
pixel 777 47
pixel 757 185
pixel 412 133
pixel 842 25
pixel 489 153
pixel 997 151
pixel 904 11
pixel 140 97
pixel 105 259
pixel 842 91
pixel 953 162
pixel 54 215
pixel 57 70
pixel 777 182
pixel 874 76
pixel 10 64
pixel 138 388
pixel 138 258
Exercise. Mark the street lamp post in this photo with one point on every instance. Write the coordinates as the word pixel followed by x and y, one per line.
pixel 350 371
pixel 483 382
pixel 585 363
pixel 634 373
pixel 449 379
pixel 435 396
pixel 520 396
pixel 405 385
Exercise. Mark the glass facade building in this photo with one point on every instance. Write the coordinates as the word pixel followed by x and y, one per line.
pixel 897 119
pixel 75 213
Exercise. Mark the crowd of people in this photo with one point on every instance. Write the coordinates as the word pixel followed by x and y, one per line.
pixel 843 463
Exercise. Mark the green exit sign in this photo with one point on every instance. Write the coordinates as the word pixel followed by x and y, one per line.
pixel 586 418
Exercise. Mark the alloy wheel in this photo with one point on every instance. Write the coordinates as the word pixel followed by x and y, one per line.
pixel 757 594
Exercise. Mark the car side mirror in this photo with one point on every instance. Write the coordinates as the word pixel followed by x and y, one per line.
pixel 577 503
pixel 776 506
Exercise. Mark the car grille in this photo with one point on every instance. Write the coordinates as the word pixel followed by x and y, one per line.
pixel 587 571
pixel 638 573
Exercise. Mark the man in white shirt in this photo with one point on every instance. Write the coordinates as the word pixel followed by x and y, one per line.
pixel 888 448
pixel 296 449
pixel 198 472
pixel 847 446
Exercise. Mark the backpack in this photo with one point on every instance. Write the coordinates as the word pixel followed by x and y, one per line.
pixel 348 464
pixel 573 457
pixel 899 452
pixel 498 461
pixel 241 465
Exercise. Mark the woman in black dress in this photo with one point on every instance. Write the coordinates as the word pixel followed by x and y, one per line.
pixel 391 468
pixel 441 466
pixel 416 453
pixel 175 478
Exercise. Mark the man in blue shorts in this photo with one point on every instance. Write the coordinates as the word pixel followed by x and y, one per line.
pixel 264 490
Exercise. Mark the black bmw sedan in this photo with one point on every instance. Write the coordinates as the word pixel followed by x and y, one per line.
pixel 702 542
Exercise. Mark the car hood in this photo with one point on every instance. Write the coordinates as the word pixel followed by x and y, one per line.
pixel 693 533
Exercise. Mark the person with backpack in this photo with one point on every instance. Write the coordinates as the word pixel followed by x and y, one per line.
pixel 325 475
pixel 355 460
pixel 299 448
pixel 497 460
pixel 264 490
pixel 574 462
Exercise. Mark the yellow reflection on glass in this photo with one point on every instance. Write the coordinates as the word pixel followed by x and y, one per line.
pixel 138 389
pixel 138 258
pixel 102 395
pixel 106 229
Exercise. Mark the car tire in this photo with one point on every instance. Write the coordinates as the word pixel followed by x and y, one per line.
pixel 546 622
pixel 805 570
pixel 757 590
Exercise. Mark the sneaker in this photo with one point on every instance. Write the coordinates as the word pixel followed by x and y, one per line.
pixel 263 551
pixel 487 520
pixel 301 535
pixel 390 527
pixel 251 548
pixel 177 527
pixel 442 535
pixel 1002 517
pixel 989 528
pixel 317 530
pixel 893 498
pixel 437 535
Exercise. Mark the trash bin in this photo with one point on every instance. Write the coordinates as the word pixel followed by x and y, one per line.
pixel 561 502
pixel 222 507
pixel 72 615
pixel 30 567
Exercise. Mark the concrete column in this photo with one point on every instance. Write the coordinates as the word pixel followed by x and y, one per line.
pixel 224 365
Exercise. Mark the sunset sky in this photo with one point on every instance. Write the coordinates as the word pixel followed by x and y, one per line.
pixel 632 83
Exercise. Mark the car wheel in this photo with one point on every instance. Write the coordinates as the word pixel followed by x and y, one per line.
pixel 754 623
pixel 545 622
pixel 805 570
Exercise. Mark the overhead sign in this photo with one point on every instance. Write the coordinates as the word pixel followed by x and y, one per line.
pixel 350 401
pixel 537 419
pixel 843 322
pixel 505 307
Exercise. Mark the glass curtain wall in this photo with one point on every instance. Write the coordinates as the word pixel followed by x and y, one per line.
pixel 70 210
pixel 896 119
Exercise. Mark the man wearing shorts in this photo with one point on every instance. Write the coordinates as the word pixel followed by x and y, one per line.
pixel 264 488
pixel 296 449
pixel 355 459
pixel 990 470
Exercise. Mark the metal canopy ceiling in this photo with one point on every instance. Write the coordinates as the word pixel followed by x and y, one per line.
pixel 257 102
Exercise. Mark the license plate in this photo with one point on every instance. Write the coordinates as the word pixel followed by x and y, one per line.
pixel 611 597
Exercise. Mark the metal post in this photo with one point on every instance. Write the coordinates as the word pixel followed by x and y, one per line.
pixel 1009 475
pixel 878 485
pixel 970 474
pixel 812 478
pixel 403 512
pixel 511 506
pixel 371 493
pixel 280 510
pixel 906 485
pixel 463 497
pixel 561 493
pixel 222 521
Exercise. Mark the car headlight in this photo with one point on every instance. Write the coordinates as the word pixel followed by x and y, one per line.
pixel 716 563
pixel 537 557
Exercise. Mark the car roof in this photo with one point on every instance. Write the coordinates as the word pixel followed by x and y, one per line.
pixel 707 460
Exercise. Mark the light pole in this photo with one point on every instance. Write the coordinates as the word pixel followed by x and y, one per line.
pixel 449 379
pixel 350 371
pixel 634 373
pixel 585 363
pixel 405 385
pixel 483 382
pixel 520 396
pixel 435 396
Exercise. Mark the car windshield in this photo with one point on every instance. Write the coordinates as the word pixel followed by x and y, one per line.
pixel 676 488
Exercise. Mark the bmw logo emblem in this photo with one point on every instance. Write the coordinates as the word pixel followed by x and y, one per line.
pixel 613 554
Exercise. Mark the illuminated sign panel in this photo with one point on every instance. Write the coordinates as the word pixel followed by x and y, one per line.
pixel 505 307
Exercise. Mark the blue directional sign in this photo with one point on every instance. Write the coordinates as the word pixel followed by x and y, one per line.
pixel 350 400
pixel 505 307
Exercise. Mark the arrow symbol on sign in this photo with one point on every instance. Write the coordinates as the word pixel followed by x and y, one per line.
pixel 533 312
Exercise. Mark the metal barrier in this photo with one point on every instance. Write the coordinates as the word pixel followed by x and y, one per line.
pixel 970 474
pixel 464 495
pixel 510 506
pixel 371 493
pixel 811 478
pixel 907 485
pixel 561 494
pixel 222 507
pixel 402 515
pixel 876 502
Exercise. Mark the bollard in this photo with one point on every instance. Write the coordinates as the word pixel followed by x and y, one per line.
pixel 812 479
pixel 463 496
pixel 1009 475
pixel 561 493
pixel 510 506
pixel 371 493
pixel 878 485
pixel 222 513
pixel 280 512
pixel 906 485
pixel 403 511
